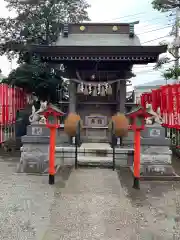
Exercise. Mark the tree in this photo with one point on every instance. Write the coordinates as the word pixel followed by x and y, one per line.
pixel 37 77
pixel 36 24
pixel 165 5
pixel 172 72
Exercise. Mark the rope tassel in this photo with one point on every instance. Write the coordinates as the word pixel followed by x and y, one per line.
pixel 109 90
pixel 86 92
pixel 79 88
pixel 94 92
pixel 103 91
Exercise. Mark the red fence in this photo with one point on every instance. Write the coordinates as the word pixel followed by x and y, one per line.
pixel 11 100
pixel 167 99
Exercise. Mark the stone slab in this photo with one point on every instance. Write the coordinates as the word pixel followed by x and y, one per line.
pixel 156 155
pixel 123 156
pixel 155 141
pixel 152 135
pixel 34 158
pixel 153 131
pixel 35 139
pixel 120 161
pixel 155 159
pixel 157 150
pixel 65 155
pixel 157 173
pixel 38 130
pixel 92 149
pixel 157 170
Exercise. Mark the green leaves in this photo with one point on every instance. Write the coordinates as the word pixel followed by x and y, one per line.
pixel 171 73
pixel 40 23
pixel 37 24
pixel 165 5
pixel 36 77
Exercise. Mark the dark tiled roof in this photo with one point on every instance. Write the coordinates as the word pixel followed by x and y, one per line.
pixel 55 108
pixel 98 40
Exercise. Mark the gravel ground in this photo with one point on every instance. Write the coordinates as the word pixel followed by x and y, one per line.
pixel 24 204
pixel 93 204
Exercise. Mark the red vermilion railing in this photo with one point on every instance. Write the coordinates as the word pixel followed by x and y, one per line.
pixel 167 99
pixel 11 100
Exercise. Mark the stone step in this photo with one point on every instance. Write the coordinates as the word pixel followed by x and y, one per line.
pixel 101 161
pixel 93 154
pixel 103 145
pixel 94 140
pixel 94 150
pixel 88 161
pixel 94 159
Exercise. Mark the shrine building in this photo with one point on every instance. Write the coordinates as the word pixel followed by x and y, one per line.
pixel 98 59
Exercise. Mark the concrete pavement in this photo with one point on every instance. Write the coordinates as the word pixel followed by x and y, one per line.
pixel 92 206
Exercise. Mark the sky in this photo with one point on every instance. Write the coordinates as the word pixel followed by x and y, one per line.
pixel 152 25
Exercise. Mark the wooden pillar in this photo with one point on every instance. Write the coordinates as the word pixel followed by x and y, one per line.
pixel 121 100
pixel 72 101
pixel 72 97
pixel 122 97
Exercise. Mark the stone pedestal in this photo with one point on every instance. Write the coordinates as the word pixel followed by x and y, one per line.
pixel 65 155
pixel 35 150
pixel 155 152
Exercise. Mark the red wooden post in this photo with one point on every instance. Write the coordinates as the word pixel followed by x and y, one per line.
pixel 52 154
pixel 137 120
pixel 51 114
pixel 137 150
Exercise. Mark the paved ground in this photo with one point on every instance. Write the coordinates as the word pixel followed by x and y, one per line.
pixel 94 204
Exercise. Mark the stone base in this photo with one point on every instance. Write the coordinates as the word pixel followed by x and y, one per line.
pixel 94 156
pixel 156 162
pixel 65 155
pixel 151 155
pixel 157 170
pixel 34 158
pixel 155 174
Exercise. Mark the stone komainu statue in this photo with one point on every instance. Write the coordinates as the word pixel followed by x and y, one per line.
pixel 121 125
pixel 71 123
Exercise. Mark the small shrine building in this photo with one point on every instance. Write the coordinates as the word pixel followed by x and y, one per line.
pixel 98 59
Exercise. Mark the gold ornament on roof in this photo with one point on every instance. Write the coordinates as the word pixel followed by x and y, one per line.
pixel 82 28
pixel 115 28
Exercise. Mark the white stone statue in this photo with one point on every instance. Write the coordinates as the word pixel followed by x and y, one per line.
pixel 35 117
pixel 43 106
pixel 42 120
pixel 156 116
